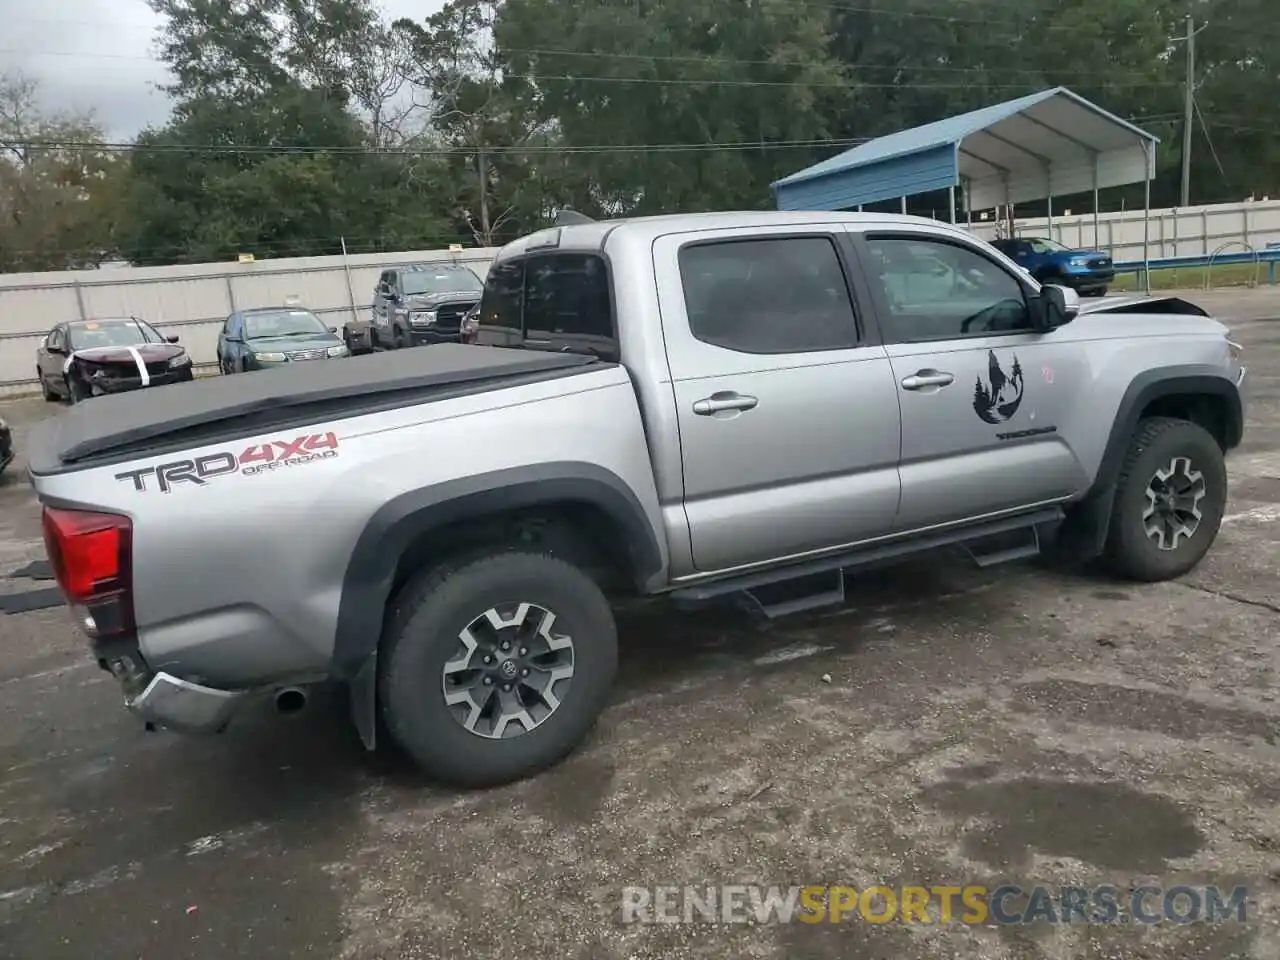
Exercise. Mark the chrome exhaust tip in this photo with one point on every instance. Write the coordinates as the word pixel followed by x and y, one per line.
pixel 290 700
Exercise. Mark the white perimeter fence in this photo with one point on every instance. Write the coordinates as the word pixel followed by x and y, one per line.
pixel 193 300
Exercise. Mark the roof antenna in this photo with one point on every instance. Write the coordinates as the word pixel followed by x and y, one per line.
pixel 568 215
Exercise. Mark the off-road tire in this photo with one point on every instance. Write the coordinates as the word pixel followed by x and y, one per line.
pixel 421 635
pixel 1129 551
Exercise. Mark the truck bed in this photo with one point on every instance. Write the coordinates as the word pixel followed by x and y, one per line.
pixel 146 421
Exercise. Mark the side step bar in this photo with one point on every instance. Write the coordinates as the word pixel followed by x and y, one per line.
pixel 832 592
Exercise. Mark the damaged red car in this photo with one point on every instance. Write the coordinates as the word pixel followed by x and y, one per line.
pixel 87 358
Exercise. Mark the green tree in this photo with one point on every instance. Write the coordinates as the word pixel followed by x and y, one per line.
pixel 646 78
pixel 59 185
pixel 285 172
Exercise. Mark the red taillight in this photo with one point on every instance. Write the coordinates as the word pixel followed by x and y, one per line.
pixel 90 553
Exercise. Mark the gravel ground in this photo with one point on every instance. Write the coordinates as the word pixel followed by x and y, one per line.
pixel 947 726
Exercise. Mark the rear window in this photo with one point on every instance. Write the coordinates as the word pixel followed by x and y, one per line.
pixel 549 302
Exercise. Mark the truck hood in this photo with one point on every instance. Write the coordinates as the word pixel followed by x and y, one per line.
pixel 1141 316
pixel 1137 303
pixel 426 301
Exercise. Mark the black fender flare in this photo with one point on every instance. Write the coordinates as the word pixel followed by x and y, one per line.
pixel 1092 515
pixel 371 568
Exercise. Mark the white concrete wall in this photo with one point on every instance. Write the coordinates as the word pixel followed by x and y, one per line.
pixel 190 300
pixel 1173 232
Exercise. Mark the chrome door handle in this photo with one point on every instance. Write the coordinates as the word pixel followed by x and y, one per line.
pixel 719 402
pixel 927 378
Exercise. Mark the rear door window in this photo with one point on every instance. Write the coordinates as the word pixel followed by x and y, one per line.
pixel 768 296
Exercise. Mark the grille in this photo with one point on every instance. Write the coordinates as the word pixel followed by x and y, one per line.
pixel 307 354
pixel 154 368
pixel 450 314
pixel 1100 262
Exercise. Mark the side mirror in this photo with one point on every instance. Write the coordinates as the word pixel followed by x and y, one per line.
pixel 1058 306
pixel 60 351
pixel 333 329
pixel 171 338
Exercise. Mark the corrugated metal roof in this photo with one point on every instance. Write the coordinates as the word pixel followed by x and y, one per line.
pixel 1016 140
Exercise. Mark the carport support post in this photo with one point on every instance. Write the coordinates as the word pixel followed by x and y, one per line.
pixel 1095 202
pixel 904 206
pixel 951 205
pixel 1146 217
pixel 351 290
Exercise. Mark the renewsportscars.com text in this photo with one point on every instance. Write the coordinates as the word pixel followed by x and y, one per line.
pixel 966 904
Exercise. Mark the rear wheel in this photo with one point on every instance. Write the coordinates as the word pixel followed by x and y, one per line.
pixel 496 668
pixel 1169 501
pixel 45 392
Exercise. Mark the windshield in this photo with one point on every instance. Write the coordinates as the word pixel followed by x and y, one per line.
pixel 440 281
pixel 111 333
pixel 1041 245
pixel 282 323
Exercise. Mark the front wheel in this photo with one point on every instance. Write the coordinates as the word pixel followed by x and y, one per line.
pixel 1169 501
pixel 496 668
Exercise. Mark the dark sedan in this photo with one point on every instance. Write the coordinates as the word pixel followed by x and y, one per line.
pixel 87 358
pixel 270 337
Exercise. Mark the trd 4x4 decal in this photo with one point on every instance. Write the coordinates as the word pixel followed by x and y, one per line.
pixel 259 458
pixel 999 398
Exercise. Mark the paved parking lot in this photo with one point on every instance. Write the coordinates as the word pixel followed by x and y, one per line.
pixel 947 726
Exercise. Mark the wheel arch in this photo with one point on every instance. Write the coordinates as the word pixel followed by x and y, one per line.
pixel 1192 393
pixel 415 517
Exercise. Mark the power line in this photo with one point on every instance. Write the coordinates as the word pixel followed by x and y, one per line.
pixel 53 145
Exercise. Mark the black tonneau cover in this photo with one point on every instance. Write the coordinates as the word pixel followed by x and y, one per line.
pixel 107 424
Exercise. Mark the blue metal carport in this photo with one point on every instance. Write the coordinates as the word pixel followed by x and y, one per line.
pixel 1050 143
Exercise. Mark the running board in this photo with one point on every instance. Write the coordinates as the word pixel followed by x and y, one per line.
pixel 876 555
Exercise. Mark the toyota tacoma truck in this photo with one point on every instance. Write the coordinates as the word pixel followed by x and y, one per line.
pixel 733 406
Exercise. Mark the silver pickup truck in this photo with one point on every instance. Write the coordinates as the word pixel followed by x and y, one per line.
pixel 745 405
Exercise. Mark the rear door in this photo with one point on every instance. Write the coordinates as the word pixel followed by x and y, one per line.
pixel 984 398
pixel 786 404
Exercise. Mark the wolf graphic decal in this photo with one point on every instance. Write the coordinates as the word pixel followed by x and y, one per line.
pixel 999 398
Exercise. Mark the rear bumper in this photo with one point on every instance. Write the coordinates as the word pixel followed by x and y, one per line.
pixel 185 707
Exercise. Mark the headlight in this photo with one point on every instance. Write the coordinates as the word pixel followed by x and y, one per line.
pixel 338 351
pixel 269 357
pixel 181 360
pixel 1236 350
pixel 423 319
pixel 1079 261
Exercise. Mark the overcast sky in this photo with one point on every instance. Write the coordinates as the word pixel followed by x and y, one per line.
pixel 98 55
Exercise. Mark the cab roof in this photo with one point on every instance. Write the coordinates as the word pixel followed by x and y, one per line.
pixel 593 236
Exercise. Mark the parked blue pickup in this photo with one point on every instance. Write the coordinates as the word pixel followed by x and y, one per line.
pixel 1086 271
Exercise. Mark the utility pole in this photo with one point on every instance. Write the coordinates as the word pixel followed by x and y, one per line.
pixel 1189 106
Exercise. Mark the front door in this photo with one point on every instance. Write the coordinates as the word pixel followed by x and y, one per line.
pixel 788 419
pixel 985 399
pixel 48 361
